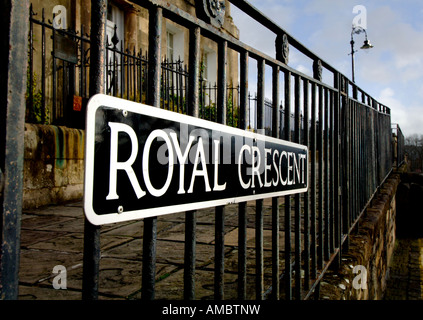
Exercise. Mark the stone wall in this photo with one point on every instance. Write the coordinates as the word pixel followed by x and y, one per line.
pixel 53 165
pixel 364 267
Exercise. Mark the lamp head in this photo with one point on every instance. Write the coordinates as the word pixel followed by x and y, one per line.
pixel 367 45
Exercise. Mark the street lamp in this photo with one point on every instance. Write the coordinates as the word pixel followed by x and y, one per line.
pixel 365 46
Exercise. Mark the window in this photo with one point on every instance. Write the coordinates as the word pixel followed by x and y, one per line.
pixel 209 75
pixel 115 17
pixel 210 67
pixel 205 67
pixel 175 43
pixel 169 37
pixel 174 55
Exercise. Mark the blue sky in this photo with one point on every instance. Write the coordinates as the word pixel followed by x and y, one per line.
pixel 391 72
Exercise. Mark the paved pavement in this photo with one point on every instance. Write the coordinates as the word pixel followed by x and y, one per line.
pixel 53 236
pixel 405 280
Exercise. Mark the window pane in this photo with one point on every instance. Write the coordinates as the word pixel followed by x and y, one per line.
pixel 170 46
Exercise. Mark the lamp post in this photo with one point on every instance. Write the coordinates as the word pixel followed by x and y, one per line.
pixel 365 46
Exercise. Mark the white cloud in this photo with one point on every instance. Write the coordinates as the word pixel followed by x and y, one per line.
pixel 254 34
pixel 398 110
pixel 398 46
pixel 304 69
pixel 409 118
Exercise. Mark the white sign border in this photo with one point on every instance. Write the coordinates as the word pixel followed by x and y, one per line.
pixel 102 100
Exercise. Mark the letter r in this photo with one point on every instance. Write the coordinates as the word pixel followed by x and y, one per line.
pixel 115 165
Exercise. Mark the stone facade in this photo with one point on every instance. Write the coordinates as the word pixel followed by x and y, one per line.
pixel 132 28
pixel 53 165
pixel 54 155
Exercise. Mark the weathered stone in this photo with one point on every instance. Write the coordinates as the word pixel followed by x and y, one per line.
pixel 35 273
pixel 372 247
pixel 53 165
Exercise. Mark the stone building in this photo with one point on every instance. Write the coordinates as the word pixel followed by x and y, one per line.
pixel 129 23
pixel 58 82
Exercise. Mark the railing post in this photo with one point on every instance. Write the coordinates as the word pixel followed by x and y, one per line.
pixel 346 154
pixel 13 68
pixel 297 197
pixel 275 200
pixel 337 169
pixel 259 203
pixel 97 77
pixel 332 160
pixel 320 187
pixel 190 216
pixel 242 207
pixel 153 99
pixel 327 166
pixel 313 153
pixel 306 141
pixel 287 224
pixel 220 210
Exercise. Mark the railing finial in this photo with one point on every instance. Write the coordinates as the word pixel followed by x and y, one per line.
pixel 115 39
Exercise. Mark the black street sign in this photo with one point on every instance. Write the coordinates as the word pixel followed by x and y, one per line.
pixel 143 161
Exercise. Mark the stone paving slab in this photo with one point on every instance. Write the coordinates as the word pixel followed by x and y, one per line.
pixel 54 235
pixel 37 265
pixel 47 293
pixel 405 280
pixel 172 288
pixel 31 237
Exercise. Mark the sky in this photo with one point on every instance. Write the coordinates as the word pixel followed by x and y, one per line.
pixel 391 72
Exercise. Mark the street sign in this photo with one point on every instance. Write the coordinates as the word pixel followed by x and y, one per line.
pixel 143 161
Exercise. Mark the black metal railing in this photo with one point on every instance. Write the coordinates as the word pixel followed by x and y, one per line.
pixel 66 74
pixel 350 149
pixel 399 145
pixel 58 65
pixel 348 134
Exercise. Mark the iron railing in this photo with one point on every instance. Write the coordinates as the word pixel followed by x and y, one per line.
pixel 348 134
pixel 57 84
pixel 350 150
pixel 66 74
pixel 399 145
pixel 58 65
